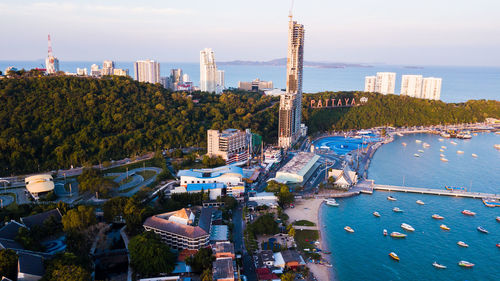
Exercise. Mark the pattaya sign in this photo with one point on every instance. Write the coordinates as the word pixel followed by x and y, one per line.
pixel 338 102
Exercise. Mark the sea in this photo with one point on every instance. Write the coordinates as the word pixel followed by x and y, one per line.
pixel 459 83
pixel 363 255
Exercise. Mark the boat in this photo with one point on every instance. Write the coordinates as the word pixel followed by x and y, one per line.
pixel 498 219
pixel 437 217
pixel 396 234
pixel 454 143
pixel 491 202
pixel 481 229
pixel 455 188
pixel 460 152
pixel 498 245
pixel 462 244
pixel 443 159
pixel 399 134
pixel 418 141
pixel 426 145
pixel 390 198
pixel 394 256
pixel 331 202
pixel 437 265
pixel 404 143
pixel 465 136
pixel 349 229
pixel 441 150
pixel 416 155
pixel 421 151
pixel 385 232
pixel 407 227
pixel 397 210
pixel 445 135
pixel 497 146
pixel 465 264
pixel 443 147
pixel 468 213
pixel 420 202
pixel 474 155
pixel 444 227
pixel 441 155
pixel 376 214
pixel 440 139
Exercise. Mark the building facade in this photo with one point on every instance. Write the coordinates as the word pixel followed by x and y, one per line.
pixel 290 112
pixel 208 71
pixel 385 83
pixel 147 71
pixel 411 85
pixel 108 67
pixel 431 88
pixel 232 145
pixel 229 175
pixel 120 72
pixel 255 86
pixel 370 84
pixel 221 81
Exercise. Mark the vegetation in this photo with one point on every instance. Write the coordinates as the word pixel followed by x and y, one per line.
pixel 303 238
pixel 8 264
pixel 54 122
pixel 211 162
pixel 78 219
pixel 67 266
pixel 282 191
pixel 288 276
pixel 264 224
pixel 94 181
pixel 201 261
pixel 149 256
pixel 304 223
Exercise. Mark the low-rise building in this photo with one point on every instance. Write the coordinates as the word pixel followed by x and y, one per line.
pixel 298 169
pixel 219 233
pixel 224 270
pixel 178 229
pixel 344 178
pixel 30 267
pixel 266 257
pixel 39 219
pixel 228 175
pixel 265 274
pixel 39 184
pixel 224 250
pixel 265 199
pixel 288 259
pixel 255 86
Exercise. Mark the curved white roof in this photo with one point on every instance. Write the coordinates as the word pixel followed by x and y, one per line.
pixel 39 183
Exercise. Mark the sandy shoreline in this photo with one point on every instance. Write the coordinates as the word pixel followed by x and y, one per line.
pixel 310 209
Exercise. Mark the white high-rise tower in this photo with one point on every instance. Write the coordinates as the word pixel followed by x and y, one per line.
pixel 208 71
pixel 411 85
pixel 147 71
pixel 51 62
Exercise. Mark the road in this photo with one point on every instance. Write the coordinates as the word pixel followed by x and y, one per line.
pixel 239 244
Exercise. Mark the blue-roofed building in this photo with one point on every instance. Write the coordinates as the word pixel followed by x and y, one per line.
pixel 230 175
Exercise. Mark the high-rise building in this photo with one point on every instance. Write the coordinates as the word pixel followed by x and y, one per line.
pixel 108 67
pixel 221 81
pixel 147 71
pixel 185 78
pixel 255 85
pixel 94 70
pixel 385 83
pixel 370 83
pixel 431 88
pixel 231 145
pixel 120 72
pixel 208 71
pixel 291 102
pixel 51 62
pixel 81 71
pixel 411 85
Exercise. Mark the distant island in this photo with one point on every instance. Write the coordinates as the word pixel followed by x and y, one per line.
pixel 282 62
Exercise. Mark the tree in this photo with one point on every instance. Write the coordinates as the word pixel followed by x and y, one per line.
pixel 149 256
pixel 29 239
pixel 201 261
pixel 206 275
pixel 289 276
pixel 70 272
pixel 285 197
pixel 291 232
pixel 114 207
pixel 79 218
pixel 8 264
pixel 66 264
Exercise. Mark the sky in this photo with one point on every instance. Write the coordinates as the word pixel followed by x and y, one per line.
pixel 400 32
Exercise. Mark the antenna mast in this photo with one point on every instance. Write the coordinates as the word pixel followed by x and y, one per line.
pixel 50 47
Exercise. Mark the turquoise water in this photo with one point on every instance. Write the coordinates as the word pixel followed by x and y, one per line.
pixel 363 255
pixel 342 145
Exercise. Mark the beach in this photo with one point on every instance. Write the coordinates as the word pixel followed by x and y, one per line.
pixel 309 209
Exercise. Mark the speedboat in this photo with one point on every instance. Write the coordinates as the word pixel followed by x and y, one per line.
pixel 349 229
pixel 390 198
pixel 404 143
pixel 465 264
pixel 497 146
pixel 418 141
pixel 443 147
pixel 394 256
pixel 468 213
pixel 441 150
pixel 498 245
pixel 454 143
pixel 397 210
pixel 399 134
pixel 376 214
pixel 421 151
pixel 443 159
pixel 440 139
pixel 396 234
pixel 416 155
pixel 385 232
pixel 460 152
pixel 491 202
pixel 481 229
pixel 426 145
pixel 441 155
pixel 407 227
pixel 445 135
pixel 498 219
pixel 420 202
pixel 437 265
pixel 444 227
pixel 474 155
pixel 331 202
pixel 437 217
pixel 462 244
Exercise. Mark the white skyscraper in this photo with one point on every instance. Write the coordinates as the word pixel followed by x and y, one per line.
pixel 108 67
pixel 411 85
pixel 385 83
pixel 94 70
pixel 81 71
pixel 370 83
pixel 147 71
pixel 220 81
pixel 185 78
pixel 431 88
pixel 208 71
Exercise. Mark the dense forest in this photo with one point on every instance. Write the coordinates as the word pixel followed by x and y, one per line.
pixel 54 122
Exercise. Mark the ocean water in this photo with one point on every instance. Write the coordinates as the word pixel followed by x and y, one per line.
pixel 341 145
pixel 363 255
pixel 459 83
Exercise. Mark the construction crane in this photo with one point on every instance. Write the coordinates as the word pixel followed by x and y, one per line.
pixel 51 57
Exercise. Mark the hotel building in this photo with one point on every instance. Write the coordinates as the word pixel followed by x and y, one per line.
pixel 385 83
pixel 147 71
pixel 231 144
pixel 290 111
pixel 431 88
pixel 370 84
pixel 255 86
pixel 411 85
pixel 108 67
pixel 209 77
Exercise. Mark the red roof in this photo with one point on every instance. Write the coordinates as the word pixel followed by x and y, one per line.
pixel 265 274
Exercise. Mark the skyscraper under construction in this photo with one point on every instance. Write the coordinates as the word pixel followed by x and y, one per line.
pixel 291 102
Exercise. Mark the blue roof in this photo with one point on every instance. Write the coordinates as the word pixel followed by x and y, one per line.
pixel 192 187
pixel 211 173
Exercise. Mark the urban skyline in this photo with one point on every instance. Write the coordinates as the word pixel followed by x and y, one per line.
pixel 425 36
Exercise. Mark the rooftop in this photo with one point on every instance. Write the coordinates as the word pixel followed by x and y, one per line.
pixel 161 222
pixel 31 264
pixel 300 163
pixel 223 269
pixel 224 247
pixel 39 219
pixel 219 233
pixel 204 186
pixel 10 230
pixel 211 173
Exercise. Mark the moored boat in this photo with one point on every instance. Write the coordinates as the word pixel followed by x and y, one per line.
pixel 407 227
pixel 491 202
pixel 349 229
pixel 445 135
pixel 420 202
pixel 440 139
pixel 397 210
pixel 404 143
pixel 462 244
pixel 418 141
pixel 465 264
pixel 460 152
pixel 498 219
pixel 394 256
pixel 331 202
pixel 396 234
pixel 444 227
pixel 416 155
pixel 443 159
pixel 452 142
pixel 376 214
pixel 385 232
pixel 399 134
pixel 498 245
pixel 390 198
pixel 497 146
pixel 437 265
pixel 443 147
pixel 468 213
pixel 474 155
pixel 482 229
pixel 441 155
pixel 442 150
pixel 421 151
pixel 437 217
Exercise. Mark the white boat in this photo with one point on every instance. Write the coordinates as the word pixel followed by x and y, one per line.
pixel 376 214
pixel 416 155
pixel 462 244
pixel 440 139
pixel 399 134
pixel 418 141
pixel 437 265
pixel 420 202
pixel 426 145
pixel 445 135
pixel 497 146
pixel 444 159
pixel 397 210
pixel 385 232
pixel 441 155
pixel 331 202
pixel 421 151
pixel 460 152
pixel 349 229
pixel 454 143
pixel 474 155
pixel 443 147
pixel 442 150
pixel 407 227
pixel 404 143
pixel 390 198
